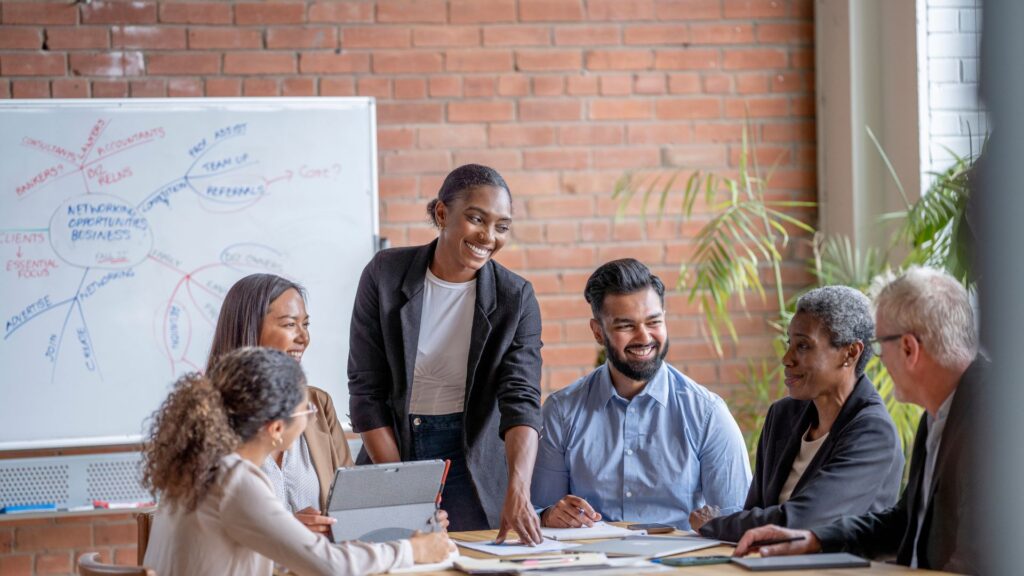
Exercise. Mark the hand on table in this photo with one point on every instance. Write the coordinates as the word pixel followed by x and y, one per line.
pixel 701 516
pixel 312 518
pixel 570 512
pixel 431 548
pixel 441 518
pixel 808 545
pixel 518 515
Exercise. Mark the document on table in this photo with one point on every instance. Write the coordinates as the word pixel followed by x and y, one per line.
pixel 515 548
pixel 598 530
pixel 435 567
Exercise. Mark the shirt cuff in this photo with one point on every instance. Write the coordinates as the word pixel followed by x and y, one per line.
pixel 405 558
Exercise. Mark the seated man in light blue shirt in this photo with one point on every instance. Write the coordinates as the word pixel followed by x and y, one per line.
pixel 635 440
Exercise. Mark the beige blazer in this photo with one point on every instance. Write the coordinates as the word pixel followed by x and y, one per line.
pixel 328 448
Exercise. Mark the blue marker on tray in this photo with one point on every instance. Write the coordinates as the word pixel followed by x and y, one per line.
pixel 23 508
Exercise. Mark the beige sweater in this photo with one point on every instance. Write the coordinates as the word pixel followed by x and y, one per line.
pixel 242 528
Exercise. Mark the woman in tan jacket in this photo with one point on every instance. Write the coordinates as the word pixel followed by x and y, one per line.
pixel 218 513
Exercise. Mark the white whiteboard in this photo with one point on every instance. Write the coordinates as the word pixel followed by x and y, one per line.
pixel 124 222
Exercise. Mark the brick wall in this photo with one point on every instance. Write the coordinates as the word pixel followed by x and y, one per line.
pixel 562 96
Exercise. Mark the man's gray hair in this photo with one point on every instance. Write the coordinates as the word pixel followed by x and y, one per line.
pixel 934 307
pixel 846 315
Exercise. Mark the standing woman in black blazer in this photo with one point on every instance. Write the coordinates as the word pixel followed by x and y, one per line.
pixel 444 358
pixel 830 449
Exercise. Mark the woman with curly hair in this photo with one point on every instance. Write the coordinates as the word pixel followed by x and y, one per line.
pixel 218 512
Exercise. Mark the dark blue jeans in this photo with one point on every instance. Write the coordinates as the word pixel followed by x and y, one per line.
pixel 440 437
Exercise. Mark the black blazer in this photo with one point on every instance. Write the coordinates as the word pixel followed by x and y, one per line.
pixel 857 469
pixel 951 536
pixel 502 379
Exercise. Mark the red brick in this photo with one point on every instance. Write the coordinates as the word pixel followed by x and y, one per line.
pixel 721 33
pixel 428 11
pixel 78 38
pixel 149 37
pixel 196 13
pixel 802 59
pixel 337 87
pixel 802 106
pixel 479 87
pixel 755 83
pixel 445 137
pixel 687 9
pixel 595 231
pixel 533 183
pixel 445 86
pixel 502 160
pixel 718 83
pixel 516 136
pixel 753 59
pixel 376 37
pixel 789 131
pixel 568 257
pixel 660 133
pixel 550 10
pixel 556 159
pixel 397 186
pixel 110 89
pixel 6 540
pixel 621 109
pixel 562 232
pixel 587 35
pixel 677 34
pixel 703 155
pixel 443 36
pixel 126 556
pixel 765 155
pixel 341 12
pixel 32 64
pixel 707 132
pixel 689 108
pixel 259 13
pixel 787 33
pixel 478 61
pixel 686 59
pixel 220 87
pixel 331 63
pixel 31 538
pixel 119 12
pixel 30 89
pixel 477 12
pixel 648 253
pixel 373 86
pixel 51 13
pixel 548 85
pixel 19 565
pixel 626 158
pixel 396 138
pixel 754 8
pixel 182 64
pixel 582 85
pixel 68 88
pixel 652 83
pixel 756 107
pixel 548 60
pixel 409 113
pixel 413 62
pixel 203 38
pixel 620 59
pixel 513 85
pixel 497 111
pixel 410 88
pixel 148 88
pixel 302 37
pixel 620 9
pixel 590 135
pixel 517 35
pixel 259 87
pixel 14 38
pixel 546 110
pixel 184 88
pixel 792 82
pixel 412 162
pixel 115 534
pixel 259 63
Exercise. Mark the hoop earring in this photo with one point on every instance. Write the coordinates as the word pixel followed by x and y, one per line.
pixel 276 442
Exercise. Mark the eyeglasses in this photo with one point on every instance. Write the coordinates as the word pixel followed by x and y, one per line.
pixel 309 411
pixel 876 343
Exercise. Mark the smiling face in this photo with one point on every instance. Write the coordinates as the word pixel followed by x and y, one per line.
pixel 632 331
pixel 473 229
pixel 286 325
pixel 814 367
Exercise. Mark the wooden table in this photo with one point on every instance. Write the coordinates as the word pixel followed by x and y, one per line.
pixel 877 568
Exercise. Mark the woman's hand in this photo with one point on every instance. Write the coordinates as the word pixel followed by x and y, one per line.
pixel 702 515
pixel 570 512
pixel 431 548
pixel 312 518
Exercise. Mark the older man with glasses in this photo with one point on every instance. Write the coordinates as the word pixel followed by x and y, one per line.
pixel 928 342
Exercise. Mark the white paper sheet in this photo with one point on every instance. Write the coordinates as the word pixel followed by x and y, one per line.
pixel 598 530
pixel 515 549
pixel 445 564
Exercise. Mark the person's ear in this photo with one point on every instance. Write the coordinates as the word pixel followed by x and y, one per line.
pixel 853 352
pixel 275 432
pixel 595 327
pixel 440 214
pixel 910 347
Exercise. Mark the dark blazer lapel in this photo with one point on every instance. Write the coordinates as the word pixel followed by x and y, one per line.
pixel 913 491
pixel 787 454
pixel 412 313
pixel 486 301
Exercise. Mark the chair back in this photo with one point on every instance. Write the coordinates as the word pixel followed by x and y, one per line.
pixel 144 521
pixel 89 565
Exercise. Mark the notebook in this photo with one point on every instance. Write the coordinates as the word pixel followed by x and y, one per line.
pixel 648 546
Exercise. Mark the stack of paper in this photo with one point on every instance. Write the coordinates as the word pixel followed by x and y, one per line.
pixel 598 530
pixel 514 548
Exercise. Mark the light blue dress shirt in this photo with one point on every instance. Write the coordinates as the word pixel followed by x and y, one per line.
pixel 672 449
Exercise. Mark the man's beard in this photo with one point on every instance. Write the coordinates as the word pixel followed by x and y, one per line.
pixel 639 371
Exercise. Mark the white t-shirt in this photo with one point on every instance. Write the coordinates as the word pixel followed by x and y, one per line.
pixel 808 450
pixel 442 353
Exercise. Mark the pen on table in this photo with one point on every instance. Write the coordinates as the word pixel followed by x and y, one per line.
pixel 770 542
pixel 545 560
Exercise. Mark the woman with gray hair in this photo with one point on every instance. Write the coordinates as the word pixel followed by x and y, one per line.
pixel 830 448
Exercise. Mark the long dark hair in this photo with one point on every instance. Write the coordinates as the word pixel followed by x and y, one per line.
pixel 242 313
pixel 206 417
pixel 462 180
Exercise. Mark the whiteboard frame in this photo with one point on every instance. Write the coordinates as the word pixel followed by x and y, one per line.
pixel 23 103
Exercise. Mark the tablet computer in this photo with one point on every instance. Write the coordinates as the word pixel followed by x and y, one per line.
pixel 384 502
pixel 804 562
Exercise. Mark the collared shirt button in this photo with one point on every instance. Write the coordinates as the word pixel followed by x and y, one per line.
pixel 417 421
pixel 629 451
pixel 629 494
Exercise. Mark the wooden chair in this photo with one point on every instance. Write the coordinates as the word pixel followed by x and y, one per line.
pixel 89 565
pixel 144 521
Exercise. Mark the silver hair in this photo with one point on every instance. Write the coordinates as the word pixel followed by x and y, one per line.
pixel 846 314
pixel 934 307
